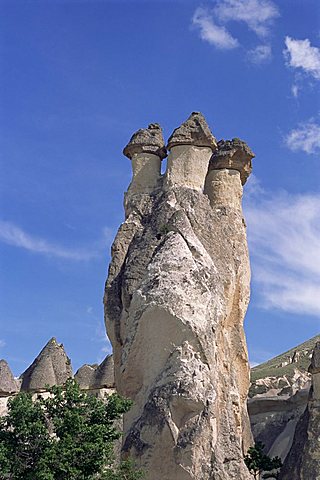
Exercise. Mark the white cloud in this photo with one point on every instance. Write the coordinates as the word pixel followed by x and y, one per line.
pixel 295 90
pixel 13 235
pixel 257 14
pixel 301 54
pixel 306 138
pixel 284 232
pixel 210 32
pixel 260 54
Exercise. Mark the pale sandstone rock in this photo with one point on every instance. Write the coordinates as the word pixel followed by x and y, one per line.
pixel 8 384
pixel 176 295
pixel 187 166
pixel 303 460
pixel 191 146
pixel 145 149
pixel 51 367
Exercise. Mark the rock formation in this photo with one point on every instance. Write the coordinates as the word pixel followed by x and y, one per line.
pixel 8 384
pixel 279 394
pixel 303 460
pixel 51 367
pixel 91 377
pixel 175 299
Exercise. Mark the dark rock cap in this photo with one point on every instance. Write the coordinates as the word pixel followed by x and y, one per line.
pixel 96 376
pixel 233 154
pixel 51 367
pixel 315 360
pixel 194 131
pixel 8 385
pixel 148 140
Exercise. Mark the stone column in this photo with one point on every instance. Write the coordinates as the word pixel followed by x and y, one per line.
pixel 191 146
pixel 145 149
pixel 229 168
pixel 175 299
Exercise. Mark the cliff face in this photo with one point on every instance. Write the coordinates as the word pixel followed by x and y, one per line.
pixel 175 300
pixel 303 460
pixel 278 397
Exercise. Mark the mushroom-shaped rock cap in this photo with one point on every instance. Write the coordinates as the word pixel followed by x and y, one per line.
pixel 51 367
pixel 96 376
pixel 194 131
pixel 315 360
pixel 147 140
pixel 233 154
pixel 8 384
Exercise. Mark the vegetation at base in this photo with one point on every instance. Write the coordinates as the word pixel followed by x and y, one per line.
pixel 68 436
pixel 258 462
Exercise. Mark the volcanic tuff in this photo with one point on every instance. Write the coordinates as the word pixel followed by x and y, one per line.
pixel 175 298
pixel 51 367
pixel 279 396
pixel 303 460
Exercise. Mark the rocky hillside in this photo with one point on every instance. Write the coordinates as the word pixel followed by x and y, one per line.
pixel 284 374
pixel 279 395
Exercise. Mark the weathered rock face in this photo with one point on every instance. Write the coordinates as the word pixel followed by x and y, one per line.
pixel 303 460
pixel 278 397
pixel 92 377
pixel 175 300
pixel 51 367
pixel 8 384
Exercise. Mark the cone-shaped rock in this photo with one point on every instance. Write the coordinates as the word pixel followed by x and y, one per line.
pixel 8 384
pixel 85 376
pixel 234 155
pixel 105 373
pixel 96 376
pixel 194 131
pixel 147 140
pixel 51 367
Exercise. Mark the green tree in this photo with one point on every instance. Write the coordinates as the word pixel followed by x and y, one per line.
pixel 68 436
pixel 258 462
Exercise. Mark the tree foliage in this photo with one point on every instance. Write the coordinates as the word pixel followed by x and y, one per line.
pixel 68 436
pixel 258 462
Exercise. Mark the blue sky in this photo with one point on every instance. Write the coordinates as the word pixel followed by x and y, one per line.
pixel 77 79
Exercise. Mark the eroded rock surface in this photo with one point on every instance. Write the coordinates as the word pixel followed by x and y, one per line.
pixel 175 300
pixel 303 460
pixel 279 394
pixel 51 367
pixel 8 384
pixel 92 377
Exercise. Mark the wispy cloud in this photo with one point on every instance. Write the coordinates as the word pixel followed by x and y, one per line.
pixel 260 54
pixel 284 232
pixel 305 137
pixel 13 235
pixel 302 55
pixel 257 14
pixel 2 343
pixel 210 32
pixel 295 90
